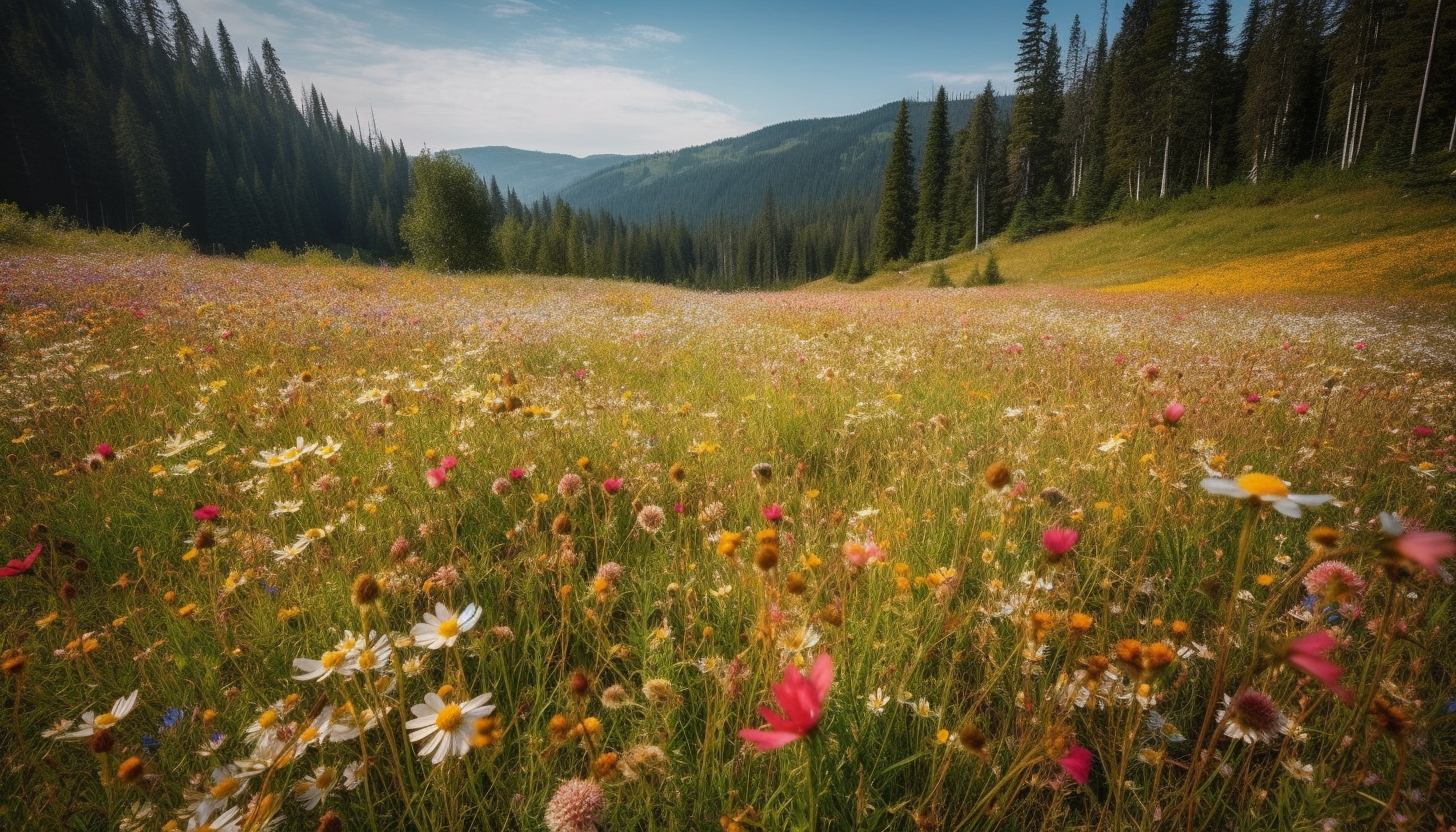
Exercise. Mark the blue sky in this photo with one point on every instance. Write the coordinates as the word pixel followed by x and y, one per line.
pixel 627 77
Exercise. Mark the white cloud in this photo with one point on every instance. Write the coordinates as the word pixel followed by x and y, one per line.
pixel 1002 78
pixel 512 8
pixel 462 98
pixel 559 92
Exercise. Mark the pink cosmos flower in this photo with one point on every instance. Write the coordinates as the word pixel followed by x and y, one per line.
pixel 436 477
pixel 449 463
pixel 1077 763
pixel 612 485
pixel 802 700
pixel 1301 408
pixel 773 512
pixel 17 566
pixel 1173 412
pixel 1310 654
pixel 1424 549
pixel 1058 541
pixel 208 512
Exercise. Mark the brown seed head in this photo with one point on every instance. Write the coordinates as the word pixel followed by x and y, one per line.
pixel 998 476
pixel 366 590
pixel 561 525
pixel 330 822
pixel 1324 536
pixel 102 741
pixel 677 472
pixel 795 583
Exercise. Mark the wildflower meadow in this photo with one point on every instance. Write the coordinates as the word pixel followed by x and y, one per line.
pixel 337 547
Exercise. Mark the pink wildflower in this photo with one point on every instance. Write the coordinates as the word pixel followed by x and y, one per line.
pixel 1301 408
pixel 1310 654
pixel 1077 763
pixel 1173 412
pixel 17 566
pixel 436 477
pixel 773 512
pixel 208 512
pixel 801 698
pixel 612 485
pixel 1058 541
pixel 449 463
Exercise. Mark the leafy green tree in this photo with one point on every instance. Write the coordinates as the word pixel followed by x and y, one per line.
pixel 447 222
pixel 895 224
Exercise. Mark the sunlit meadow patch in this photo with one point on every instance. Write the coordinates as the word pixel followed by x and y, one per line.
pixel 355 548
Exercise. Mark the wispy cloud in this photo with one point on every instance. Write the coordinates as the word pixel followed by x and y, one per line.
pixel 1001 77
pixel 512 8
pixel 558 92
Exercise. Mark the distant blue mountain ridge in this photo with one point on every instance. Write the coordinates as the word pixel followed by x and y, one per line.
pixel 806 164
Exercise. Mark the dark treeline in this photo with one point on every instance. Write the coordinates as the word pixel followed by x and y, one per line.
pixel 1176 102
pixel 774 249
pixel 122 114
pixel 457 221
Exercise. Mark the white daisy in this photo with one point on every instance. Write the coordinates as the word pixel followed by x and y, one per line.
pixel 446 729
pixel 91 723
pixel 227 783
pixel 313 789
pixel 1264 487
pixel 317 670
pixel 366 657
pixel 228 820
pixel 877 701
pixel 444 626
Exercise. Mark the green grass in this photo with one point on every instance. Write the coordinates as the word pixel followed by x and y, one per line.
pixel 1262 228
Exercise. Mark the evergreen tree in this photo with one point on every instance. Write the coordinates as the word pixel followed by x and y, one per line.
pixel 930 232
pixel 895 225
pixel 1026 143
pixel 136 145
pixel 978 175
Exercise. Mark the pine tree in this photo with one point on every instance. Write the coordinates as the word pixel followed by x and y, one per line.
pixel 978 174
pixel 895 224
pixel 1024 143
pixel 136 145
pixel 934 173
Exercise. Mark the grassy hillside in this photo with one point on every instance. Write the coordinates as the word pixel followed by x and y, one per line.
pixel 1349 240
pixel 807 162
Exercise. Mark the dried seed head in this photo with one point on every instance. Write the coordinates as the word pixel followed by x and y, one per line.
pixel 998 476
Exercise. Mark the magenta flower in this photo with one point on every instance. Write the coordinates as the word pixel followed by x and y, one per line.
pixel 1058 541
pixel 105 451
pixel 1077 763
pixel 436 477
pixel 1423 431
pixel 802 700
pixel 677 507
pixel 1173 412
pixel 1310 654
pixel 773 512
pixel 612 485
pixel 17 566
pixel 1359 345
pixel 1301 408
pixel 208 512
pixel 1252 398
pixel 448 463
pixel 517 473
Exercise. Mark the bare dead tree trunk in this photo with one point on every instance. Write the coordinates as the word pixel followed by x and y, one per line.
pixel 1163 186
pixel 1425 79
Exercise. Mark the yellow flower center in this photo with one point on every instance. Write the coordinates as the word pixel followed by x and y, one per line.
pixel 268 719
pixel 308 735
pixel 1263 485
pixel 334 659
pixel 225 787
pixel 324 780
pixel 449 628
pixel 367 660
pixel 449 718
pixel 106 720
